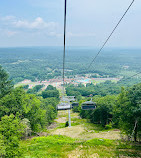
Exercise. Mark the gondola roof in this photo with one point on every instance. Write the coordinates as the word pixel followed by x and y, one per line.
pixel 63 106
pixel 89 103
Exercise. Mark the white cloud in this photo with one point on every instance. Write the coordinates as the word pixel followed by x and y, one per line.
pixel 38 23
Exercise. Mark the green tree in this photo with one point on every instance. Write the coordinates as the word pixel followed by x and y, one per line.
pixel 25 87
pixel 104 110
pixel 27 105
pixel 2 146
pixel 11 131
pixel 129 108
pixel 50 114
pixel 27 129
pixel 13 102
pixel 50 101
pixel 50 105
pixel 5 83
pixel 50 93
pixel 50 87
pixel 36 89
pixel 103 114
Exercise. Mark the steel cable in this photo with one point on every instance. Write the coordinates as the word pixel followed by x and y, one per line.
pixel 111 34
pixel 64 54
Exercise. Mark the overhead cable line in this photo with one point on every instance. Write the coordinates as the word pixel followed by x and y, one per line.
pixel 64 54
pixel 131 76
pixel 111 34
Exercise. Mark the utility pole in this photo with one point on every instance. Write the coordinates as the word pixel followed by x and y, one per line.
pixel 69 118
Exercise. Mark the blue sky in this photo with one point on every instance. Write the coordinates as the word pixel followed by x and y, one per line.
pixel 89 22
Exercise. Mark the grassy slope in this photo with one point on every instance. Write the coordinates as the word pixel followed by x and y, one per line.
pixel 85 141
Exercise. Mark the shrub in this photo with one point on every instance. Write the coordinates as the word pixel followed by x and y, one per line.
pixel 11 130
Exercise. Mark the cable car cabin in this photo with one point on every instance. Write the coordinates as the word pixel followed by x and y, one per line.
pixel 71 98
pixel 75 104
pixel 65 99
pixel 63 106
pixel 89 105
pixel 68 98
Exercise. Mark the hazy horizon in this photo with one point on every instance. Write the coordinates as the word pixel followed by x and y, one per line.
pixel 83 47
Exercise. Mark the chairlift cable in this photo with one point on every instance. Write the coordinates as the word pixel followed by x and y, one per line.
pixel 131 76
pixel 111 34
pixel 64 54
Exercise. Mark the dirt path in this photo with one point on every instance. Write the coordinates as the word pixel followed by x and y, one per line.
pixel 81 129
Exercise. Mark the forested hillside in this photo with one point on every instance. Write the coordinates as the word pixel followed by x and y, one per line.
pixel 22 115
pixel 116 106
pixel 41 63
pixel 26 113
